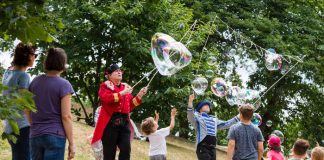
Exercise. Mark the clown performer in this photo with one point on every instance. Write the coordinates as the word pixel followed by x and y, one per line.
pixel 113 128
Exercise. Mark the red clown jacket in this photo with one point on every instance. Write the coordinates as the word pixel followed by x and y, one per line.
pixel 112 101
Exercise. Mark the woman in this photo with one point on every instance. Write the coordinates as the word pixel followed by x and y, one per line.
pixel 51 125
pixel 16 76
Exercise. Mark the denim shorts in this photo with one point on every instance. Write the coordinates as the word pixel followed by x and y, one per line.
pixel 47 147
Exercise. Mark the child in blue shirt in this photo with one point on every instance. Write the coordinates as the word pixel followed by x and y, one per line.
pixel 206 128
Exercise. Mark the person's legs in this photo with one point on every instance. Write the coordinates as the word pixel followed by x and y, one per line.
pixel 124 142
pixel 203 153
pixel 54 147
pixel 109 141
pixel 20 149
pixel 36 148
pixel 213 152
pixel 158 157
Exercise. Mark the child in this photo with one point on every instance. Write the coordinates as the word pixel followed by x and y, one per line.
pixel 206 128
pixel 299 150
pixel 156 137
pixel 245 139
pixel 318 153
pixel 274 152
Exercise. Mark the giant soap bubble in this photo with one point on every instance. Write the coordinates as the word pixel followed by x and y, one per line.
pixel 273 60
pixel 231 95
pixel 219 87
pixel 168 55
pixel 199 85
pixel 256 119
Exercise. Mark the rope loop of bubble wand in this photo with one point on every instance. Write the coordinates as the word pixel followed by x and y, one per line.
pixel 202 50
pixel 277 82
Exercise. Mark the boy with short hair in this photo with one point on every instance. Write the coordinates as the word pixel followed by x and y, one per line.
pixel 245 139
pixel 299 151
pixel 206 128
pixel 156 137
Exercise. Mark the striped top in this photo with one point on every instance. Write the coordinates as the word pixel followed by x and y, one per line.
pixel 205 124
pixel 210 124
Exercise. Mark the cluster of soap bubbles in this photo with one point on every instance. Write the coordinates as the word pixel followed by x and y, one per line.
pixel 234 95
pixel 169 56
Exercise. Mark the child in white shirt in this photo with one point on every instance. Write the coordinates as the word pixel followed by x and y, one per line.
pixel 156 137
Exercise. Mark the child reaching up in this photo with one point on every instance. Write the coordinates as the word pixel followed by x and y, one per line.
pixel 206 127
pixel 156 137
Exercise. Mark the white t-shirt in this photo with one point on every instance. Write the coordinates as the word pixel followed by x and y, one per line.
pixel 157 141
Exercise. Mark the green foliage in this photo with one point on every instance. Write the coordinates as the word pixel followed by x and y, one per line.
pixel 292 28
pixel 28 21
pixel 11 104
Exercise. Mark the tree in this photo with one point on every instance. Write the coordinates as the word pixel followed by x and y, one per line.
pixel 292 28
pixel 28 21
pixel 115 32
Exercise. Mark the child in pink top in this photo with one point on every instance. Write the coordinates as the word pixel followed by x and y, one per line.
pixel 274 152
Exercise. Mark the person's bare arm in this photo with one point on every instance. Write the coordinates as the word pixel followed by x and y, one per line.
pixel 173 114
pixel 67 123
pixel 157 116
pixel 230 149
pixel 260 149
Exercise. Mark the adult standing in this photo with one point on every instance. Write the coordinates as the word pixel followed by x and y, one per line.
pixel 16 76
pixel 113 127
pixel 51 125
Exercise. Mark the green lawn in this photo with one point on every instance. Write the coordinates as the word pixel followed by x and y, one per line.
pixel 178 149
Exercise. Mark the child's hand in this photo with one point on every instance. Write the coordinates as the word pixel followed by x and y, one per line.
pixel 157 116
pixel 173 112
pixel 191 98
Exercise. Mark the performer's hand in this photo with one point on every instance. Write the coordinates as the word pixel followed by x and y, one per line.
pixel 142 92
pixel 71 153
pixel 127 90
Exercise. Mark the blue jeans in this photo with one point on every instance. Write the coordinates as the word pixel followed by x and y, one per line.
pixel 47 147
pixel 20 149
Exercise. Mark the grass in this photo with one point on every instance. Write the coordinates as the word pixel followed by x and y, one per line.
pixel 178 149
